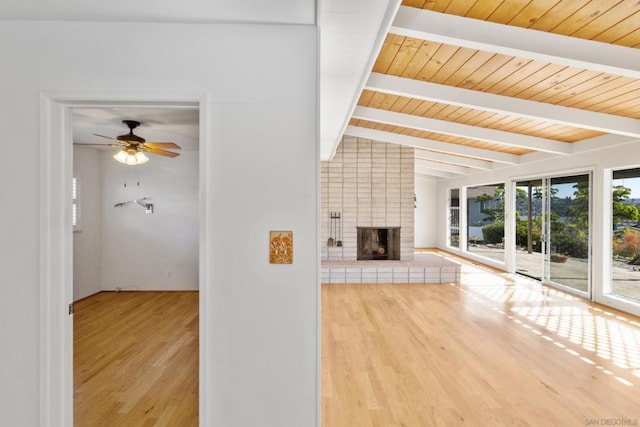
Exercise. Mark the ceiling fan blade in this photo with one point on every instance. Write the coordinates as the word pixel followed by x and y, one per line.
pixel 99 145
pixel 108 137
pixel 162 145
pixel 161 152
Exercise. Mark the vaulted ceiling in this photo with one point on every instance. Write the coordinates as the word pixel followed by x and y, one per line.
pixel 472 84
pixel 476 85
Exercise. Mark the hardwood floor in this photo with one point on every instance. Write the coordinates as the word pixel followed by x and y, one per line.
pixel 494 350
pixel 136 359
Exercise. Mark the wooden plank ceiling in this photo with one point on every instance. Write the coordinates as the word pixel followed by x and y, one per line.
pixel 507 93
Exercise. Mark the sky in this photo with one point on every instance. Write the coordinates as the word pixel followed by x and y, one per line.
pixel 564 190
pixel 633 183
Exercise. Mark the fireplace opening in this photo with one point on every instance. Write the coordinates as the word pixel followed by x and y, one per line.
pixel 378 243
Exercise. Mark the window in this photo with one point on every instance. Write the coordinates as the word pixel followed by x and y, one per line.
pixel 625 204
pixel 485 221
pixel 454 218
pixel 75 207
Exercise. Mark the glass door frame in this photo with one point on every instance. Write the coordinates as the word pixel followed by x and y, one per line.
pixel 604 294
pixel 546 231
pixel 540 259
pixel 548 241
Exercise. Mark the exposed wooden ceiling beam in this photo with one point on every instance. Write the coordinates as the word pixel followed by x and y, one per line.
pixel 441 166
pixel 516 41
pixel 427 144
pixel 433 172
pixel 602 141
pixel 454 160
pixel 503 104
pixel 462 130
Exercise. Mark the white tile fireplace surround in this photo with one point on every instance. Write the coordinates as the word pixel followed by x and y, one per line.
pixel 367 184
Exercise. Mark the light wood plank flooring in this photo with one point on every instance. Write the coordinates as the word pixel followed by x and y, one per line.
pixel 494 350
pixel 136 359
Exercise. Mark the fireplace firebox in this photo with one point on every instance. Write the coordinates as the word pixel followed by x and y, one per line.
pixel 378 243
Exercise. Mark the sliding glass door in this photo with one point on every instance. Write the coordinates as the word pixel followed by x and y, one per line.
pixel 485 221
pixel 529 223
pixel 552 232
pixel 625 261
pixel 568 230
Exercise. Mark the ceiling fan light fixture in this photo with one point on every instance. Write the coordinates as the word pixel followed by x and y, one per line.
pixel 131 157
pixel 141 158
pixel 121 156
pixel 133 148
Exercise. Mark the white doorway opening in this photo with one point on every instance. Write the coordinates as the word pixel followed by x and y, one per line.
pixel 56 244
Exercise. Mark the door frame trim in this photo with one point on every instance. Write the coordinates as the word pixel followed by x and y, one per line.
pixel 56 239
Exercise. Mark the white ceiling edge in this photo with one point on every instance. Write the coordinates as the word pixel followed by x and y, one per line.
pixel 163 11
pixel 351 35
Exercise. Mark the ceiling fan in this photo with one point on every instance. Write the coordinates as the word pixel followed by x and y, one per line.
pixel 133 147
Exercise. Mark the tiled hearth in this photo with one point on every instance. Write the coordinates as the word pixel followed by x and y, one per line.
pixel 424 268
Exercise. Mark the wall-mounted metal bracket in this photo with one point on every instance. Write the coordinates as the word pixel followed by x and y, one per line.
pixel 148 207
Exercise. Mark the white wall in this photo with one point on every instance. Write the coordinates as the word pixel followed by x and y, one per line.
pixel 123 247
pixel 426 225
pixel 87 243
pixel 157 251
pixel 261 165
